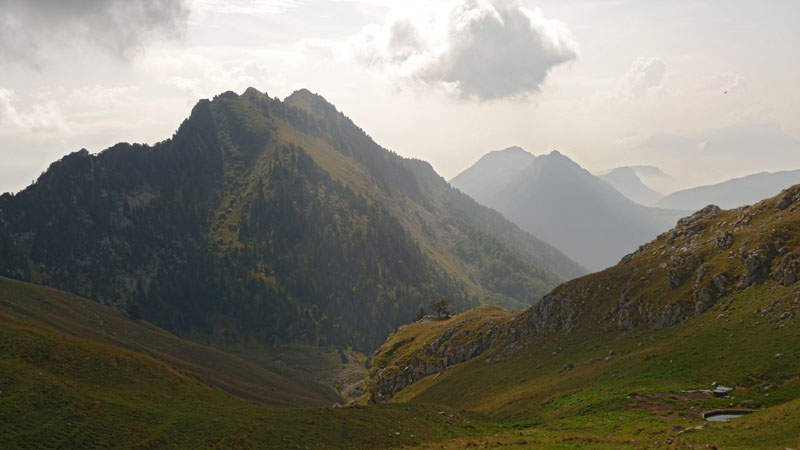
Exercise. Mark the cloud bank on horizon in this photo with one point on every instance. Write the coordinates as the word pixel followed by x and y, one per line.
pixel 474 49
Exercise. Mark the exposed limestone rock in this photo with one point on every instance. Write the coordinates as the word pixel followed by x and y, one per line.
pixel 553 314
pixel 788 271
pixel 463 339
pixel 720 282
pixel 709 212
pixel 757 264
pixel 675 278
pixel 789 197
pixel 724 240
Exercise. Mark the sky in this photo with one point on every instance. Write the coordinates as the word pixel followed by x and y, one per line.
pixel 704 89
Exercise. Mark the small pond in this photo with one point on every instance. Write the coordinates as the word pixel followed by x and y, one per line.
pixel 724 416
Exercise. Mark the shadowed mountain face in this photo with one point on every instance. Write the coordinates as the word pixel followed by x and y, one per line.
pixel 560 202
pixel 732 193
pixel 269 221
pixel 625 180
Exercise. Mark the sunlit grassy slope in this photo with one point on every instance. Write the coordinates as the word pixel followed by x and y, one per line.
pixel 604 380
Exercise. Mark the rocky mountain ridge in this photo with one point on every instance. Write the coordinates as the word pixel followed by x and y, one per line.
pixel 686 271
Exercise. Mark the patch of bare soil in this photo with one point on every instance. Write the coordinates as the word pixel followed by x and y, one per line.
pixel 686 404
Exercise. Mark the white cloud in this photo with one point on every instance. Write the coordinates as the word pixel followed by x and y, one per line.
pixel 731 83
pixel 244 6
pixel 33 31
pixel 208 78
pixel 645 75
pixel 479 49
pixel 44 118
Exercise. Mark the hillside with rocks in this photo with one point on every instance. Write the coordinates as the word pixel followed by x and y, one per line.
pixel 735 270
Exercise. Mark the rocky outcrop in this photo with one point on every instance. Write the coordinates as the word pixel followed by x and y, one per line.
pixel 788 272
pixel 632 312
pixel 724 240
pixel 685 272
pixel 407 357
pixel 758 264
pixel 553 314
pixel 789 197
pixel 709 212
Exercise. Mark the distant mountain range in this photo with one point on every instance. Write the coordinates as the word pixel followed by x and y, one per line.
pixel 489 176
pixel 270 222
pixel 732 193
pixel 725 153
pixel 560 202
pixel 627 182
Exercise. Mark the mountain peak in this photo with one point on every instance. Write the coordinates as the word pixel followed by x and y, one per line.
pixel 555 159
pixel 312 103
pixel 499 164
pixel 627 182
pixel 515 149
pixel 253 92
pixel 304 96
pixel 625 171
pixel 516 156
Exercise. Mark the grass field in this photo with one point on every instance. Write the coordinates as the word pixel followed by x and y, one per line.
pixel 87 388
pixel 87 319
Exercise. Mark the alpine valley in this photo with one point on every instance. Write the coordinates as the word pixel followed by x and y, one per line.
pixel 270 277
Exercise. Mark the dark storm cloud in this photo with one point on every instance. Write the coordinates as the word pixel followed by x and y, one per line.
pixel 31 31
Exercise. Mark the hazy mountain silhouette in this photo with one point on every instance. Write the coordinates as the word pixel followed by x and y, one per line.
pixel 627 182
pixel 732 193
pixel 560 202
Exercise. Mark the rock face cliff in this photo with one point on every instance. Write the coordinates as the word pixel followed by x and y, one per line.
pixel 430 346
pixel 682 273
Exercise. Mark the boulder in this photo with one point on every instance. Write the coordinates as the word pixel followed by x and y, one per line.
pixel 708 212
pixel 790 196
pixel 788 271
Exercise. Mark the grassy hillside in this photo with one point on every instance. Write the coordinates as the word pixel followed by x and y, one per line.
pixel 619 359
pixel 58 391
pixel 85 319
